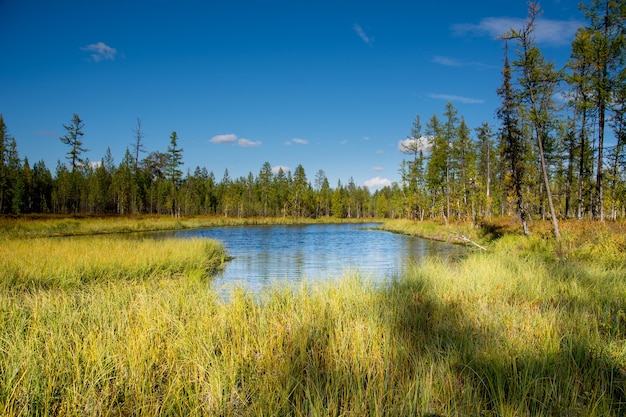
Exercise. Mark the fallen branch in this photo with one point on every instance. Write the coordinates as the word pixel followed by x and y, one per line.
pixel 466 239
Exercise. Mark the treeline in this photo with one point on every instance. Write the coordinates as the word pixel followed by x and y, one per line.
pixel 155 184
pixel 547 158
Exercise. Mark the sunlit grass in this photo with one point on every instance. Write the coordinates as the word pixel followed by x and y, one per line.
pixel 41 226
pixel 528 328
pixel 70 262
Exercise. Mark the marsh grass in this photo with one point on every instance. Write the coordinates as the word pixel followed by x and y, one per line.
pixel 71 262
pixel 516 331
pixel 45 226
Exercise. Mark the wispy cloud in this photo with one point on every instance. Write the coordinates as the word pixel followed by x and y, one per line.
pixel 247 143
pixel 547 31
pixel 459 63
pixel 378 169
pixel 100 51
pixel 297 141
pixel 359 31
pixel 224 138
pixel 377 182
pixel 232 138
pixel 458 99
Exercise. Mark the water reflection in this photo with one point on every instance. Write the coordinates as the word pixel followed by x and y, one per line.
pixel 269 254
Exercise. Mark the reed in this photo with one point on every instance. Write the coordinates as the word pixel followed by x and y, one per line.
pixel 520 330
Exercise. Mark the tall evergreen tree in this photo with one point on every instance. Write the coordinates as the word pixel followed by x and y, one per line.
pixel 73 138
pixel 173 172
pixel 437 167
pixel 137 145
pixel 450 131
pixel 413 178
pixel 6 186
pixel 485 174
pixel 464 158
pixel 581 100
pixel 606 32
pixel 514 146
pixel 538 82
pixel 265 187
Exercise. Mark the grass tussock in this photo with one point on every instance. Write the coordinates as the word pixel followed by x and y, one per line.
pixel 520 330
pixel 71 262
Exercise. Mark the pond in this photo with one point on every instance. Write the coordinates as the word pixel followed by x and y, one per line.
pixel 265 255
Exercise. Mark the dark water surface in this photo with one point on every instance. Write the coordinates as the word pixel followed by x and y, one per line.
pixel 268 254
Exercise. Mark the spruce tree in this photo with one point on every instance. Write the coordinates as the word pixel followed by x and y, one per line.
pixel 73 138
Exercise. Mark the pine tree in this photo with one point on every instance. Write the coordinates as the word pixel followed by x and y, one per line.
pixel 606 33
pixel 538 81
pixel 514 146
pixel 173 172
pixel 437 167
pixel 413 177
pixel 5 171
pixel 486 156
pixel 464 158
pixel 73 138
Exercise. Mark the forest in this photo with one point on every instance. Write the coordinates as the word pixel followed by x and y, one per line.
pixel 557 153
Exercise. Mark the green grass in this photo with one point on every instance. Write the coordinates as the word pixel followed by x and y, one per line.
pixel 529 328
pixel 53 225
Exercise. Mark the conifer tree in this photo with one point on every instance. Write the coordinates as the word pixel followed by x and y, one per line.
pixel 514 146
pixel 73 138
pixel 606 34
pixel 485 169
pixel 538 81
pixel 173 172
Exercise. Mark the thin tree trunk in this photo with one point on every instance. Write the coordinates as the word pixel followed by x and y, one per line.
pixel 546 180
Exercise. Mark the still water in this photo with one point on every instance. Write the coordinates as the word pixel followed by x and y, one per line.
pixel 268 254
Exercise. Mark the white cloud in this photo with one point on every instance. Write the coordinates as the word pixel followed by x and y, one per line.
pixel 547 31
pixel 380 152
pixel 423 143
pixel 378 169
pixel 460 99
pixel 377 182
pixel 297 141
pixel 224 138
pixel 359 31
pixel 246 143
pixel 232 138
pixel 100 51
pixel 277 168
pixel 458 63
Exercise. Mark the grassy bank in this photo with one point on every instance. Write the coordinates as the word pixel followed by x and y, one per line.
pixel 529 328
pixel 44 226
pixel 71 262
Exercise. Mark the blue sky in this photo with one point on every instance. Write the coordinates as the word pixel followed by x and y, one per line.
pixel 331 85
